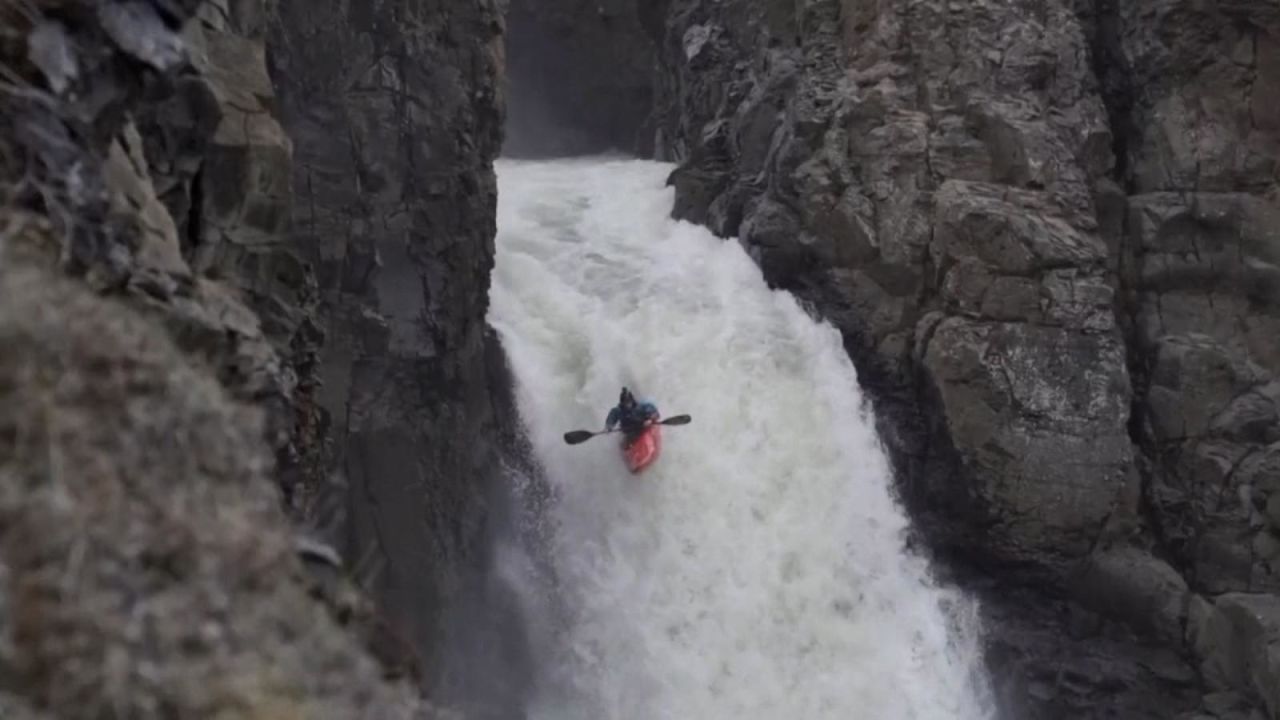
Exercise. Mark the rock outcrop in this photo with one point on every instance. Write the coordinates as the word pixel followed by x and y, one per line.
pixel 395 111
pixel 155 382
pixel 1049 235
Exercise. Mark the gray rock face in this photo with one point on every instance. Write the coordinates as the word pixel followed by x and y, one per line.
pixel 1048 233
pixel 580 76
pixel 148 415
pixel 1199 152
pixel 924 175
pixel 395 113
pixel 222 166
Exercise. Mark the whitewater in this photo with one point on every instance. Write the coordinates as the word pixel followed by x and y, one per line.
pixel 758 569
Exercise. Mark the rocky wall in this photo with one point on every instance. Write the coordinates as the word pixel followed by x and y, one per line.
pixel 1046 231
pixel 153 424
pixel 395 110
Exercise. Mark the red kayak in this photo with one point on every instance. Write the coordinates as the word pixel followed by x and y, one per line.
pixel 641 453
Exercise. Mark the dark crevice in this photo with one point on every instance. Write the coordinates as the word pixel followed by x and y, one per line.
pixel 1120 97
pixel 580 77
pixel 1115 79
pixel 194 236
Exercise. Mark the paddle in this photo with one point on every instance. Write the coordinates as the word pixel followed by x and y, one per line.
pixel 580 436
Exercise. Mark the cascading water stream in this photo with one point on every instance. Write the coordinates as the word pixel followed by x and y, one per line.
pixel 757 570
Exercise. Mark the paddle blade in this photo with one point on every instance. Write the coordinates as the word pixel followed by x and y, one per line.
pixel 677 420
pixel 578 436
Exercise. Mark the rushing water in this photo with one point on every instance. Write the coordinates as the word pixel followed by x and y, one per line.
pixel 757 570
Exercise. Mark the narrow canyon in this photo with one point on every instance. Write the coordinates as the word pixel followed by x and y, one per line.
pixel 975 305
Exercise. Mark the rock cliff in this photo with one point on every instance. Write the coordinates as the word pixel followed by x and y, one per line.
pixel 156 411
pixel 1049 233
pixel 395 111
pixel 232 343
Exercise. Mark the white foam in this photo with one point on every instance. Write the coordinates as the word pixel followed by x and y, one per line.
pixel 757 570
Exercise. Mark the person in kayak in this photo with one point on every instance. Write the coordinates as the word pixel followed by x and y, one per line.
pixel 633 416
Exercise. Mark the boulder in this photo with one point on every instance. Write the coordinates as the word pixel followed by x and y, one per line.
pixel 1131 585
pixel 1037 415
pixel 1237 642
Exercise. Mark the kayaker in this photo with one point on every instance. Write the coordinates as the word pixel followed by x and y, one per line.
pixel 633 416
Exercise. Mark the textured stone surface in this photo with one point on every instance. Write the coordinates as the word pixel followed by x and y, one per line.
pixel 922 173
pixel 1200 250
pixel 395 113
pixel 1052 659
pixel 1048 233
pixel 161 197
pixel 149 569
pixel 222 164
pixel 150 415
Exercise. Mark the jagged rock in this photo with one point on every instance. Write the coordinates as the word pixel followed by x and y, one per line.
pixel 1201 257
pixel 138 29
pixel 1052 659
pixel 115 195
pixel 1008 242
pixel 142 410
pixel 158 251
pixel 579 77
pixel 246 172
pixel 50 49
pixel 1226 704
